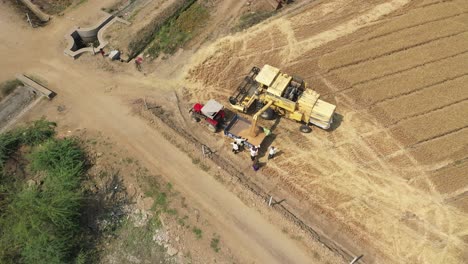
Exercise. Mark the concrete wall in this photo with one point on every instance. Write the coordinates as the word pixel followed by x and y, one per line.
pixel 89 35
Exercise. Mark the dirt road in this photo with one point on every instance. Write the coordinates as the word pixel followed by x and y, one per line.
pixel 83 88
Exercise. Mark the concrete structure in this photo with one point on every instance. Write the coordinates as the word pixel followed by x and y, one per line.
pixel 36 86
pixel 80 36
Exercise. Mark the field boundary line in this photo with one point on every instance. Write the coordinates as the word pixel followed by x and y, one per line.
pixel 376 104
pixel 425 113
pixel 437 136
pixel 418 89
pixel 412 26
pixel 389 53
pixel 413 67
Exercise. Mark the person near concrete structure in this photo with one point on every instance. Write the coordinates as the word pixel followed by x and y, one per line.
pixel 272 151
pixel 253 153
pixel 101 51
pixel 138 62
pixel 235 147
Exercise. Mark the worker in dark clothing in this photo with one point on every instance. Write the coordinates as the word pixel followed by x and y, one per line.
pixel 255 165
pixel 101 51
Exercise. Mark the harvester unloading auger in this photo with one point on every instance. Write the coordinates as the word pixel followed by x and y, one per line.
pixel 282 94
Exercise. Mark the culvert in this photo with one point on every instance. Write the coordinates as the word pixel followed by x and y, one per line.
pixel 80 39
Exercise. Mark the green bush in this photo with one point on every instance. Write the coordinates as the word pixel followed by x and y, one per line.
pixel 39 224
pixel 34 134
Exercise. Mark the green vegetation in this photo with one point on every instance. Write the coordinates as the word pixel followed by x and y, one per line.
pixel 8 87
pixel 39 223
pixel 215 243
pixel 178 30
pixel 198 232
pixel 148 33
pixel 32 135
pixel 252 18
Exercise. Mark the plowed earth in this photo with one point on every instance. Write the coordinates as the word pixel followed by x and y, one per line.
pixel 390 178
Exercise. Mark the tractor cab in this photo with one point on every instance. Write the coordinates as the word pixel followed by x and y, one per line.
pixel 212 112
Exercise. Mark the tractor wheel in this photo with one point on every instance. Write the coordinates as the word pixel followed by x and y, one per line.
pixel 212 128
pixel 195 119
pixel 305 129
pixel 269 114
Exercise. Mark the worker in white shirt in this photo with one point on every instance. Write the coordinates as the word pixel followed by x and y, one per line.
pixel 272 152
pixel 253 153
pixel 235 147
pixel 240 142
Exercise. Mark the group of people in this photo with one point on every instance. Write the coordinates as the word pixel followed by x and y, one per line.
pixel 238 145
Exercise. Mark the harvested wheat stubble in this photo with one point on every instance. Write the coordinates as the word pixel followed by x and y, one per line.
pixel 410 81
pixel 331 14
pixel 434 124
pixel 451 178
pixel 405 59
pixel 424 3
pixel 462 204
pixel 419 16
pixel 381 143
pixel 398 41
pixel 450 147
pixel 418 103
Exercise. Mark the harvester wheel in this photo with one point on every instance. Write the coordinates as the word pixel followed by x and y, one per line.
pixel 269 114
pixel 305 129
pixel 212 128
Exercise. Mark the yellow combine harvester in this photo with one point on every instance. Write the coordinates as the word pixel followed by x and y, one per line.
pixel 288 96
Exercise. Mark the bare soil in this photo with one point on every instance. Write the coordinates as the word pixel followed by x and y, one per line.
pixel 384 182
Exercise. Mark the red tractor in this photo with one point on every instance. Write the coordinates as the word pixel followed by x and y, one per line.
pixel 212 112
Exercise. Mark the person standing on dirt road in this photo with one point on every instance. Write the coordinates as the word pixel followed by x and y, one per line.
pixel 272 151
pixel 138 62
pixel 101 51
pixel 235 147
